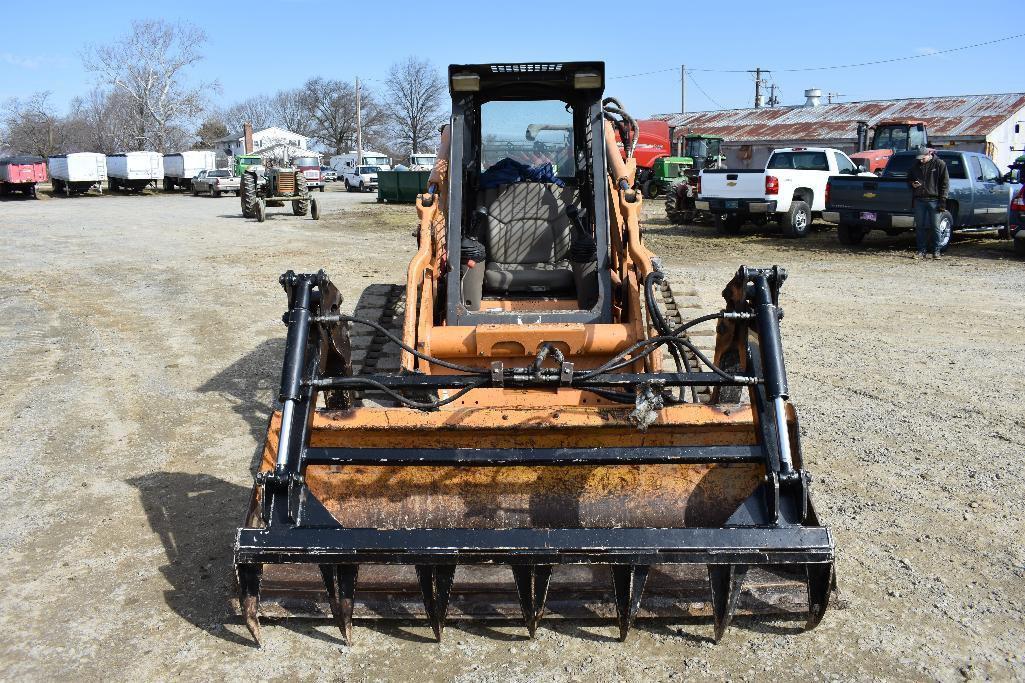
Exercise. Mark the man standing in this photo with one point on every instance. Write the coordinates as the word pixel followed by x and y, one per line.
pixel 929 183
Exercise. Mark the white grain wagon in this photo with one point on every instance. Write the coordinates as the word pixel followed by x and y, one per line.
pixel 77 172
pixel 133 171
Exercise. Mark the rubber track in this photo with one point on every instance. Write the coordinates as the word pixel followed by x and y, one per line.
pixel 372 352
pixel 678 309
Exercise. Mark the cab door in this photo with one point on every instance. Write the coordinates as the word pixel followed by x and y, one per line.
pixel 1000 198
pixel 985 191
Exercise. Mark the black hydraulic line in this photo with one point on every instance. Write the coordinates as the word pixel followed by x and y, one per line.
pixel 679 358
pixel 422 356
pixel 366 382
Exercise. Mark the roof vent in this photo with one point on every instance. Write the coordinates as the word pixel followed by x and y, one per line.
pixel 814 97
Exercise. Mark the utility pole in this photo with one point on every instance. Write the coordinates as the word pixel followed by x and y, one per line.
pixel 359 128
pixel 683 88
pixel 758 84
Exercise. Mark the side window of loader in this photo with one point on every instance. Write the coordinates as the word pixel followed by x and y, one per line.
pixel 532 133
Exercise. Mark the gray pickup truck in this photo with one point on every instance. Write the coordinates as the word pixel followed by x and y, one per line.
pixel 216 182
pixel 979 198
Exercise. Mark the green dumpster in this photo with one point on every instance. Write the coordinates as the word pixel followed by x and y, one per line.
pixel 401 186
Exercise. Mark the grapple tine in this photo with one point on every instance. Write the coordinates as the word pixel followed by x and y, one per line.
pixel 248 576
pixel 726 581
pixel 340 581
pixel 436 586
pixel 532 587
pixel 820 583
pixel 628 581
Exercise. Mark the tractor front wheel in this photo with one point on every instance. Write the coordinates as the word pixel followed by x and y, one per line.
pixel 301 206
pixel 314 210
pixel 261 211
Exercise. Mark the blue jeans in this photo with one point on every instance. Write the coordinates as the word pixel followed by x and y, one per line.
pixel 927 227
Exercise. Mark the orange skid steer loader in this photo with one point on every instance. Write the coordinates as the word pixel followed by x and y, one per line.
pixel 531 422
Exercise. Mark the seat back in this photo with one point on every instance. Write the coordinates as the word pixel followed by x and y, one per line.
pixel 527 224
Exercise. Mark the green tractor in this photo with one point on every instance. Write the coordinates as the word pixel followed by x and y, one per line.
pixel 244 161
pixel 704 151
pixel 264 186
pixel 665 172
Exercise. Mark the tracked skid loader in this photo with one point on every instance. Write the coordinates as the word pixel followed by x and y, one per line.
pixel 533 423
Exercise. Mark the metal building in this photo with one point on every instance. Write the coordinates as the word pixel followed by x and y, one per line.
pixel 993 124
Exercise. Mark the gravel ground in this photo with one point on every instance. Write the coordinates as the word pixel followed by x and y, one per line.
pixel 142 344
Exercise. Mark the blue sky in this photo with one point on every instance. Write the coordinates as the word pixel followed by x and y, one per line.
pixel 337 39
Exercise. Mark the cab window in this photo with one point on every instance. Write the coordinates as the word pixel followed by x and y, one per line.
pixel 845 165
pixel 955 165
pixel 531 132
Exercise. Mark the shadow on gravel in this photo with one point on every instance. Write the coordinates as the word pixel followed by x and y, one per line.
pixel 195 516
pixel 250 385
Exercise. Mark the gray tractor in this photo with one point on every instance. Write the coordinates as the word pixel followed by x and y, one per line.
pixel 264 186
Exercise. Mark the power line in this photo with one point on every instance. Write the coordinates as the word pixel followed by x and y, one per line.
pixel 873 62
pixel 698 86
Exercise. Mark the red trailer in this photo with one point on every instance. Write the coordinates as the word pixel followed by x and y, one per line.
pixel 652 143
pixel 21 174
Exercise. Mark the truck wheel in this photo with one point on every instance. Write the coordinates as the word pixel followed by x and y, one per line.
pixel 249 198
pixel 728 223
pixel 649 189
pixel 797 222
pixel 195 191
pixel 261 211
pixel 348 187
pixel 32 192
pixel 1019 246
pixel 946 230
pixel 321 188
pixel 850 234
pixel 301 206
pixel 213 192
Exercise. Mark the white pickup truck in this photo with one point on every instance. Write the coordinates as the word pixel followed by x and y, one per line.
pixel 360 178
pixel 791 190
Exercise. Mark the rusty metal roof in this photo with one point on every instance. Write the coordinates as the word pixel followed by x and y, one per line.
pixel 960 116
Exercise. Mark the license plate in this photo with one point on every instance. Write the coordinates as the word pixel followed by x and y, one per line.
pixel 731 204
pixel 869 216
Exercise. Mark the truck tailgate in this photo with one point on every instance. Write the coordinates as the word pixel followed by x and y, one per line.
pixel 861 193
pixel 732 183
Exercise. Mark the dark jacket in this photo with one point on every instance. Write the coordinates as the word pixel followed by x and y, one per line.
pixel 934 178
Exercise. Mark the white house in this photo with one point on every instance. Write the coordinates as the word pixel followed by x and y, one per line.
pixel 283 141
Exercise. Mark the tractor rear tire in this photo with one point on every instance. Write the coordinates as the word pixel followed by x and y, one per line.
pixel 797 222
pixel 301 206
pixel 249 198
pixel 850 234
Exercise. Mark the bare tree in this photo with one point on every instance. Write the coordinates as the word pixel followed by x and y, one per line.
pixel 148 66
pixel 212 130
pixel 415 92
pixel 33 126
pixel 291 110
pixel 256 110
pixel 332 105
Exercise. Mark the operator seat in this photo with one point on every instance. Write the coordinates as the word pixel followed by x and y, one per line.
pixel 527 234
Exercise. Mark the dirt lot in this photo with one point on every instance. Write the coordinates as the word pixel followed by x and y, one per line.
pixel 142 342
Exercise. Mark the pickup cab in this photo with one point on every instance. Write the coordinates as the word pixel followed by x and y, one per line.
pixel 979 199
pixel 215 183
pixel 360 178
pixel 791 190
